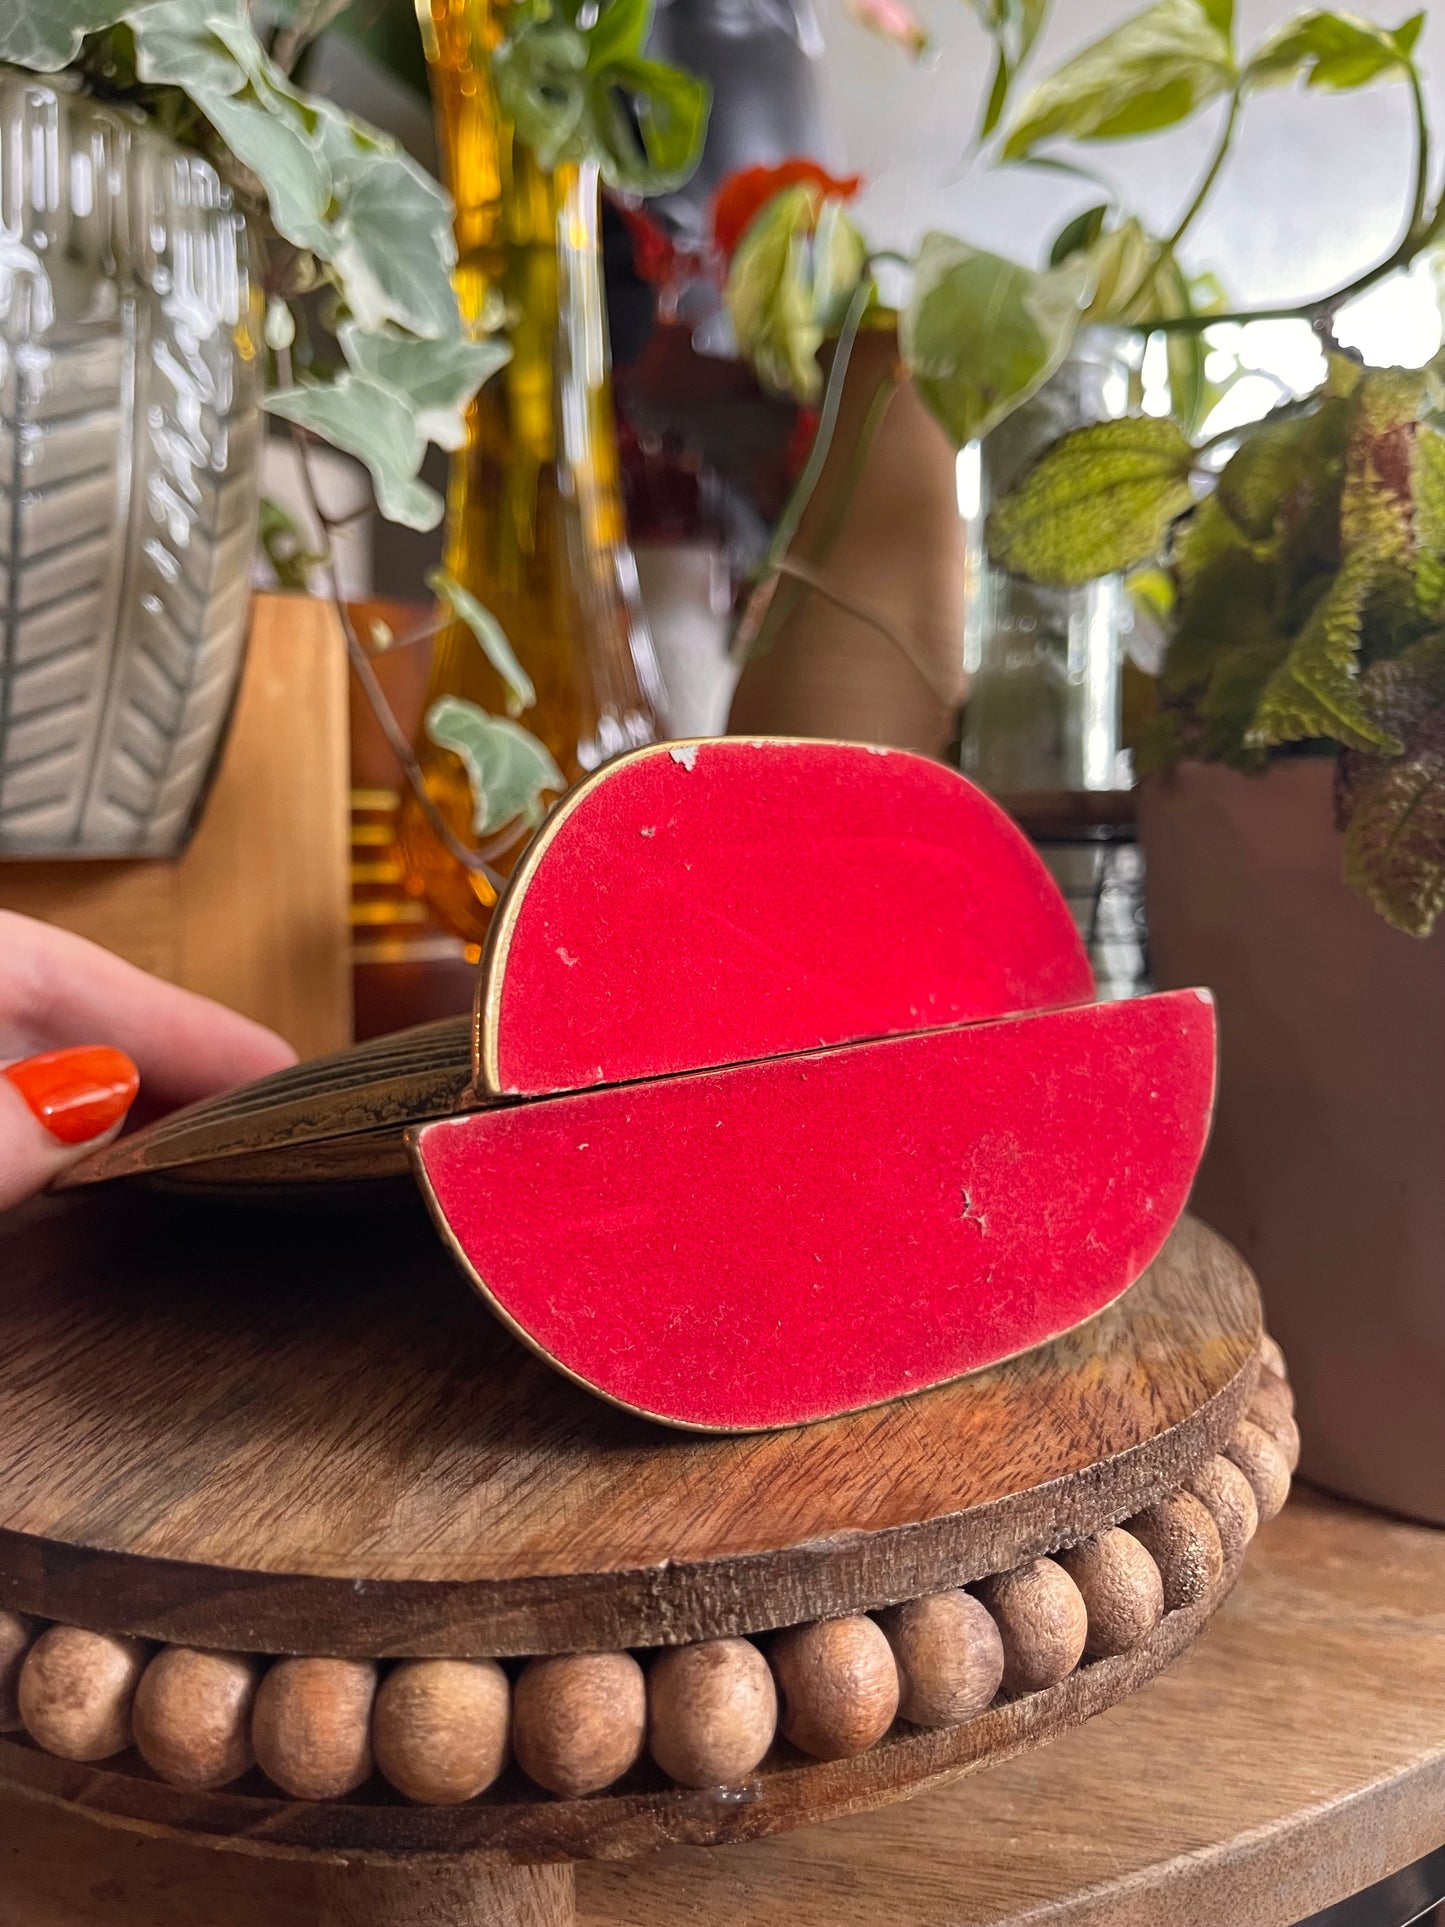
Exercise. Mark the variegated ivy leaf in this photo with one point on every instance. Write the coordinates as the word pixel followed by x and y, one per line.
pixel 510 771
pixel 790 282
pixel 521 694
pixel 1152 71
pixel 1099 500
pixel 45 35
pixel 438 378
pixel 981 334
pixel 376 425
pixel 1392 809
pixel 1335 50
pixel 394 249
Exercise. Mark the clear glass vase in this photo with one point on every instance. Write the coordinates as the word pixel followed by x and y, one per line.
pixel 129 449
pixel 535 526
pixel 1045 664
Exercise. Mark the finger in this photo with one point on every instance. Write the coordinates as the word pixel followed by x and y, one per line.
pixel 57 990
pixel 54 1109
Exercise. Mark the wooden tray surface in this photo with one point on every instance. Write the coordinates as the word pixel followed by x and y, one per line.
pixel 294 1430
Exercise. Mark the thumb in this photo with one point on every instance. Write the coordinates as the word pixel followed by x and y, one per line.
pixel 56 1108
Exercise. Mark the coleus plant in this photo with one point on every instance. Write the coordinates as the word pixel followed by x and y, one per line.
pixel 1306 568
pixel 1308 598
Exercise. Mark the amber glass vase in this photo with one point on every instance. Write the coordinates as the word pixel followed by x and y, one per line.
pixel 535 526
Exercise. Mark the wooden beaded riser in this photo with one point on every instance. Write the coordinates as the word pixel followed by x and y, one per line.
pixel 728 1717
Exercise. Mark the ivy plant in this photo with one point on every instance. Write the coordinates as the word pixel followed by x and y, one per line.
pixel 336 206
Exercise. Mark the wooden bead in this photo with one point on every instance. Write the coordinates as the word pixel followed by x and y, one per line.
pixel 311 1726
pixel 192 1715
pixel 712 1710
pixel 1271 1403
pixel 949 1655
pixel 1123 1592
pixel 76 1690
pixel 579 1720
pixel 1271 1357
pixel 17 1634
pixel 1043 1622
pixel 1229 1496
pixel 1263 1464
pixel 440 1728
pixel 838 1686
pixel 1184 1541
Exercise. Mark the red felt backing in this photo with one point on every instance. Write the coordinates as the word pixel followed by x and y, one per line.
pixel 781 1241
pixel 707 903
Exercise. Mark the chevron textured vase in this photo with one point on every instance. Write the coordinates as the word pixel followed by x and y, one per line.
pixel 129 443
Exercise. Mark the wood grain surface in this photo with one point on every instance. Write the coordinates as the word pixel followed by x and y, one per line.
pixel 255 911
pixel 294 1431
pixel 1296 1756
pixel 339 1116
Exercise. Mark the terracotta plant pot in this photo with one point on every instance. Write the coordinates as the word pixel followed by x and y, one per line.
pixel 876 656
pixel 1327 1166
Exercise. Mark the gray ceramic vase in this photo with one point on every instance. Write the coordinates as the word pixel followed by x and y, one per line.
pixel 130 384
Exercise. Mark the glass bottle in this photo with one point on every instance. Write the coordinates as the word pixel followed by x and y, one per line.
pixel 535 526
pixel 1044 709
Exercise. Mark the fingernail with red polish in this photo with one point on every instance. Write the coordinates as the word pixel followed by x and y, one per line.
pixel 77 1094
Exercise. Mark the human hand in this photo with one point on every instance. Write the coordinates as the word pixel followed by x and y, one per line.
pixel 81 1033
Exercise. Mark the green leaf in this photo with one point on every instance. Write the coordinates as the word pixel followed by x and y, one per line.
pixel 281 156
pixel 1225 647
pixel 793 274
pixel 1099 500
pixel 621 30
pixel 1014 26
pixel 521 692
pixel 45 35
pixel 374 424
pixel 589 94
pixel 1079 234
pixel 1281 463
pixel 1334 50
pixel 1377 507
pixel 1201 538
pixel 1393 810
pixel 1124 270
pixel 509 769
pixel 1154 70
pixel 981 334
pixel 438 378
pixel 394 250
pixel 670 110
pixel 1429 503
pixel 1315 691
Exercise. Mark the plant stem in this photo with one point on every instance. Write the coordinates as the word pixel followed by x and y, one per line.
pixel 755 608
pixel 1211 175
pixel 1416 233
pixel 396 737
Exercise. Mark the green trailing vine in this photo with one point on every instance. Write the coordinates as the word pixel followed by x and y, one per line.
pixel 1304 557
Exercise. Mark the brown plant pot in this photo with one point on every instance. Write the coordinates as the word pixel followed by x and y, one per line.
pixel 1327 1164
pixel 878 658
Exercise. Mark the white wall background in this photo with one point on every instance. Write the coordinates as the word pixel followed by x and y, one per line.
pixel 1315 190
